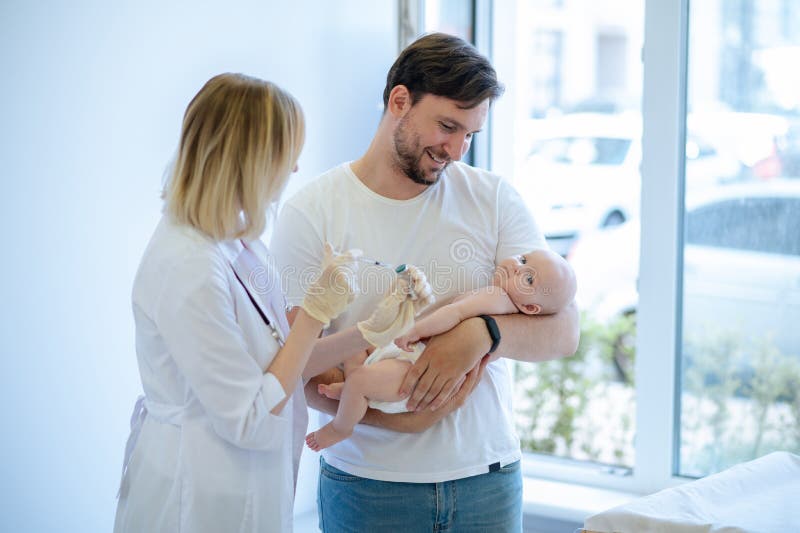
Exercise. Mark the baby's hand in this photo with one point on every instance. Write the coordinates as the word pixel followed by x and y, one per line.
pixel 394 315
pixel 406 341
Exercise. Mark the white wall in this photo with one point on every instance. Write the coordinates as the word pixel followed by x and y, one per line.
pixel 91 96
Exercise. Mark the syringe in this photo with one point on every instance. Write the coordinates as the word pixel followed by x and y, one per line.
pixel 398 269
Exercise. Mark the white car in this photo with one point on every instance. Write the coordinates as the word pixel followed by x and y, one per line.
pixel 583 172
pixel 741 264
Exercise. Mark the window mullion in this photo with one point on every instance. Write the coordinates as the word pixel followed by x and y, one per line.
pixel 664 118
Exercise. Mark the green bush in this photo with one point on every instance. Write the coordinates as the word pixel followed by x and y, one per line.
pixel 558 392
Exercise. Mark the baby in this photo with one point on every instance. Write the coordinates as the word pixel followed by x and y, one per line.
pixel 536 283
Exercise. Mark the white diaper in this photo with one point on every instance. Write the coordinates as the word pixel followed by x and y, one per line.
pixel 391 351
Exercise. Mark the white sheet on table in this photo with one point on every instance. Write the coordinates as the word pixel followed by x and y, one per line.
pixel 760 496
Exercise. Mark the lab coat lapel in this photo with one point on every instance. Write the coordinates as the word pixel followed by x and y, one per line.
pixel 263 284
pixel 272 291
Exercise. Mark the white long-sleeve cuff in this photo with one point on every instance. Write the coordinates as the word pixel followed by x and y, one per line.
pixel 272 391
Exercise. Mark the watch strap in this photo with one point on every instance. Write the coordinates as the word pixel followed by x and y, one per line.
pixel 494 331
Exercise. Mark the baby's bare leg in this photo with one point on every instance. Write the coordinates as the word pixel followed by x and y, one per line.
pixel 351 364
pixel 380 381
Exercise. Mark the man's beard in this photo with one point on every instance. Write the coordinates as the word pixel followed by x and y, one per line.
pixel 407 160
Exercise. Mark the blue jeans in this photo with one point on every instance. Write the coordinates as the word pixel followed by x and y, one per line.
pixel 490 503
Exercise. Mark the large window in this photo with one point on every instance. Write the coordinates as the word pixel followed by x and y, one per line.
pixel 667 171
pixel 740 345
pixel 579 146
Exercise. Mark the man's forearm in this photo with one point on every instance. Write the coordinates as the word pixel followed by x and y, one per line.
pixel 400 422
pixel 539 337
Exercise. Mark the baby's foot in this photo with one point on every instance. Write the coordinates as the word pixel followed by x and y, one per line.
pixel 332 391
pixel 325 436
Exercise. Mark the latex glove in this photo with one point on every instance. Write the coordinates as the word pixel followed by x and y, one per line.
pixel 335 287
pixel 395 314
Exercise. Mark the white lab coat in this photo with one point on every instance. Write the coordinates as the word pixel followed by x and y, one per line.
pixel 205 454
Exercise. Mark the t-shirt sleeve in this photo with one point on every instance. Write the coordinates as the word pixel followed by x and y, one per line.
pixel 297 248
pixel 517 230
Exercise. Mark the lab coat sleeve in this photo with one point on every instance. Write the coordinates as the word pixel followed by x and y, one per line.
pixel 195 315
pixel 517 230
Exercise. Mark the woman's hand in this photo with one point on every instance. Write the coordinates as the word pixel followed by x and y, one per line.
pixel 395 314
pixel 335 287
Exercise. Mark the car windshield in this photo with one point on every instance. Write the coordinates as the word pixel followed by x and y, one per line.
pixel 582 150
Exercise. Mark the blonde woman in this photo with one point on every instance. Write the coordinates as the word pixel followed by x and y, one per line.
pixel 216 438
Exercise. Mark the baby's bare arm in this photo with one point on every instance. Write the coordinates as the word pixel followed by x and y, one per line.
pixel 487 301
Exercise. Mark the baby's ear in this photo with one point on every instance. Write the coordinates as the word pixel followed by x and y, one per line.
pixel 530 309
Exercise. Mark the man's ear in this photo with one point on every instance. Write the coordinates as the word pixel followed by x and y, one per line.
pixel 530 309
pixel 399 101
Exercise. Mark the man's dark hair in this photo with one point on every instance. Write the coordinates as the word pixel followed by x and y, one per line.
pixel 444 65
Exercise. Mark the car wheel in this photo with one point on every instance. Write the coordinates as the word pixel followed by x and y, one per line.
pixel 615 218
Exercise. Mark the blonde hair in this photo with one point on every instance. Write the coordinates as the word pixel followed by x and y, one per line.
pixel 240 140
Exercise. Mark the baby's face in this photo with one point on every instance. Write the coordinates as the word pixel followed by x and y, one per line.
pixel 522 277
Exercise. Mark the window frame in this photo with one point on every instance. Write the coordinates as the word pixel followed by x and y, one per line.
pixel 412 24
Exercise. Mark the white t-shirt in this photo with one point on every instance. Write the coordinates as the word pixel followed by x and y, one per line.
pixel 455 231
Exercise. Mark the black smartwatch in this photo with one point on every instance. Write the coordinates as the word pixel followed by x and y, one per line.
pixel 494 331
